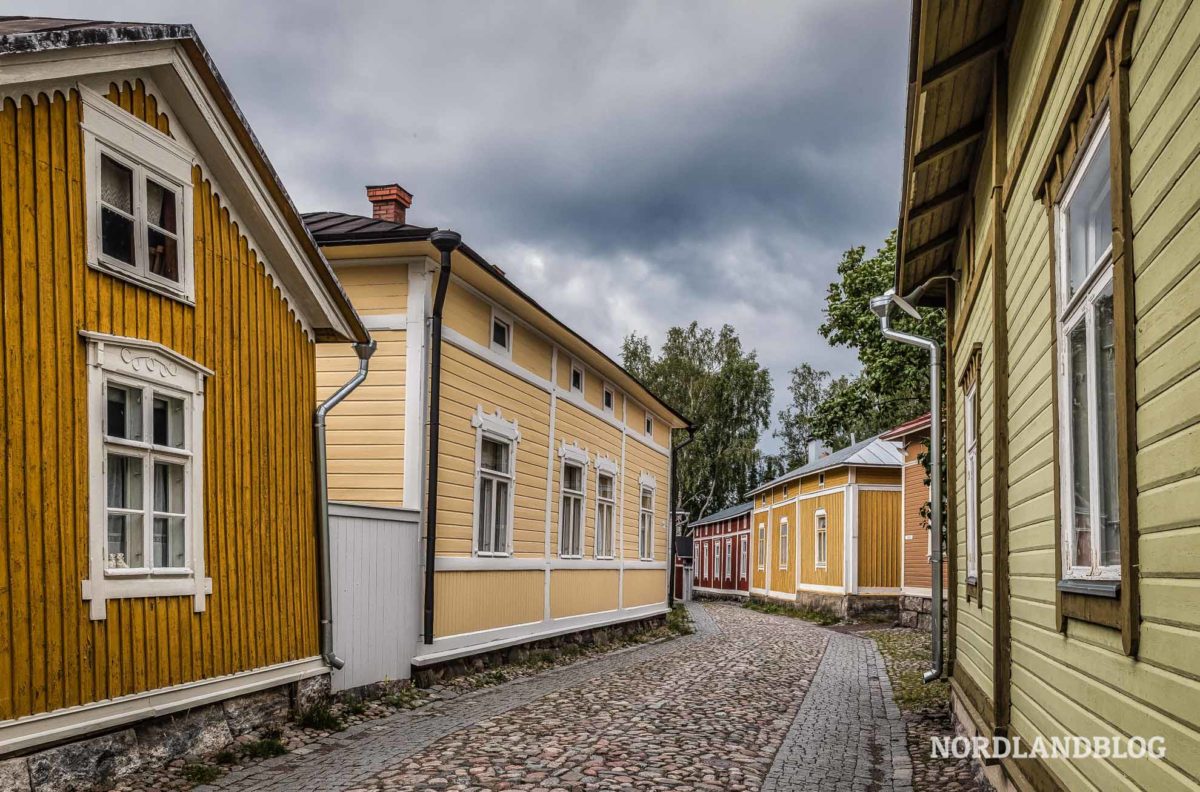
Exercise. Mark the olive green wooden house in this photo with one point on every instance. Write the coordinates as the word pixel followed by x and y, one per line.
pixel 1051 168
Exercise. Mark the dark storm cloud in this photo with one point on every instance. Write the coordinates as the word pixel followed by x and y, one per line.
pixel 633 164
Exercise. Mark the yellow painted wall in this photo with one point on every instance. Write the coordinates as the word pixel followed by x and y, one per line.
pixel 485 600
pixel 574 592
pixel 644 587
pixel 879 539
pixel 259 548
pixel 833 478
pixel 783 575
pixel 877 475
pixel 577 427
pixel 759 520
pixel 639 459
pixel 834 506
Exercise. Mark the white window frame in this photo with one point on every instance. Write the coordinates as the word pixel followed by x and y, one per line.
pixel 646 483
pixel 784 539
pixel 820 532
pixel 716 560
pixel 762 545
pixel 572 454
pixel 152 367
pixel 728 559
pixel 494 427
pixel 110 131
pixel 971 481
pixel 577 369
pixel 743 559
pixel 1073 309
pixel 649 425
pixel 608 399
pixel 606 467
pixel 820 481
pixel 501 318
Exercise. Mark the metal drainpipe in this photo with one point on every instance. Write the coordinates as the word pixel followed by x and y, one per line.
pixel 364 352
pixel 675 449
pixel 882 306
pixel 446 242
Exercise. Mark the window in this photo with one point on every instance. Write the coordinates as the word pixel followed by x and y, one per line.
pixel 785 490
pixel 139 200
pixel 570 519
pixel 972 482
pixel 495 453
pixel 605 509
pixel 820 480
pixel 501 335
pixel 609 399
pixel 717 560
pixel 576 379
pixel 821 542
pixel 649 426
pixel 1087 368
pixel 145 431
pixel 728 558
pixel 783 543
pixel 744 557
pixel 646 525
pixel 706 553
pixel 762 546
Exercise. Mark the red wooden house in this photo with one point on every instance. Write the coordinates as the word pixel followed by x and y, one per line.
pixel 721 551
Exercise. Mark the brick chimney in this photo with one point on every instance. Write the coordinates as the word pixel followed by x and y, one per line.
pixel 389 201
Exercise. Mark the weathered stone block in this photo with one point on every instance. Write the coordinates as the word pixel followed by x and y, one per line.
pixel 14 775
pixel 247 713
pixel 86 763
pixel 313 690
pixel 197 731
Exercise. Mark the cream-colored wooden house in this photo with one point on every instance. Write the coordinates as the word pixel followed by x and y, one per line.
pixel 825 536
pixel 1052 169
pixel 553 462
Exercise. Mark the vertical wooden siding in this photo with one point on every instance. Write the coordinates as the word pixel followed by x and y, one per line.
pixel 878 539
pixel 258 499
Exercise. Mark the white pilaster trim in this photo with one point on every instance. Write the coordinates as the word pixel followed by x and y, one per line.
pixel 416 350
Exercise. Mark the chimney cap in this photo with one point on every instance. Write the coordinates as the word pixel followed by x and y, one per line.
pixel 389 192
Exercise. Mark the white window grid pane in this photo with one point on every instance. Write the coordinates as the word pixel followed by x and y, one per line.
pixel 141 257
pixel 493 504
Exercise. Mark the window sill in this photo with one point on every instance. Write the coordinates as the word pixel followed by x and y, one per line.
pixel 149 574
pixel 119 273
pixel 1108 589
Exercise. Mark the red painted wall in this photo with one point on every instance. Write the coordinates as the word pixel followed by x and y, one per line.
pixel 733 536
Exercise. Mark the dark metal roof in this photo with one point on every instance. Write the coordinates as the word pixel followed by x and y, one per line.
pixel 24 34
pixel 339 228
pixel 724 514
pixel 331 228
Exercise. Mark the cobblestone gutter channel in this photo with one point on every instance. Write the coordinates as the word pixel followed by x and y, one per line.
pixel 722 709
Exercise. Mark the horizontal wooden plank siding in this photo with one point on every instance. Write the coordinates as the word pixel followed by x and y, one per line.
pixel 259 547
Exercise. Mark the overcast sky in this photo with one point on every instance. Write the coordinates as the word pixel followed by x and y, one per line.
pixel 632 165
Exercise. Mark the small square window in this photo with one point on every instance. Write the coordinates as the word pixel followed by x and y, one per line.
pixel 649 426
pixel 609 399
pixel 501 335
pixel 576 379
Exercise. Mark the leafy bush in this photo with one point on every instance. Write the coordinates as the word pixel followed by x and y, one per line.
pixel 319 716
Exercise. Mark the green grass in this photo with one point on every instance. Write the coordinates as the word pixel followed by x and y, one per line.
pixel 225 757
pixel 907 654
pixel 199 773
pixel 319 716
pixel 403 698
pixel 678 621
pixel 265 749
pixel 356 707
pixel 775 609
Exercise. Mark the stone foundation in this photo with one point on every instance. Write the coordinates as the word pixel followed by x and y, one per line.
pixel 104 758
pixel 880 608
pixel 720 596
pixel 917 611
pixel 431 675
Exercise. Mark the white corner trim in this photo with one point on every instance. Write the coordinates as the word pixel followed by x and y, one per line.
pixel 648 480
pixel 495 424
pixel 604 464
pixel 573 452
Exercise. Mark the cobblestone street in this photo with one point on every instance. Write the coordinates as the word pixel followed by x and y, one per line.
pixel 725 708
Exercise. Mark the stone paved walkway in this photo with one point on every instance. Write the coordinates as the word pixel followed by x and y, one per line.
pixel 706 712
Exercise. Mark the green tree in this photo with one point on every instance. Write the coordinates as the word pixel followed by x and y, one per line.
pixel 893 383
pixel 725 392
pixel 809 388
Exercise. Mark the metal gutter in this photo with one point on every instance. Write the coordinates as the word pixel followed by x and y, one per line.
pixel 446 242
pixel 321 465
pixel 882 307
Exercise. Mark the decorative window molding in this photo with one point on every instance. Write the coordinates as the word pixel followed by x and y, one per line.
pixel 573 452
pixel 762 546
pixel 145 476
pixel 501 333
pixel 607 465
pixel 138 184
pixel 648 480
pixel 821 539
pixel 784 543
pixel 572 485
pixel 606 508
pixel 646 518
pixel 744 557
pixel 969 385
pixel 496 441
pixel 716 572
pixel 728 558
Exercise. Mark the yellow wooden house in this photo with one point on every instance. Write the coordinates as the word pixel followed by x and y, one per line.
pixel 552 463
pixel 161 305
pixel 1051 205
pixel 826 536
